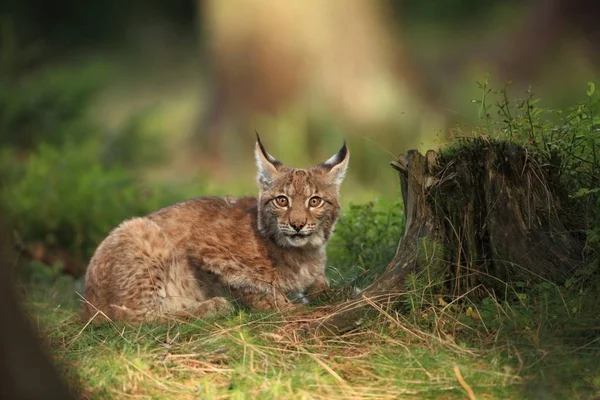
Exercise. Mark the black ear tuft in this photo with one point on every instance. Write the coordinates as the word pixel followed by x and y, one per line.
pixel 264 152
pixel 268 167
pixel 335 167
pixel 336 158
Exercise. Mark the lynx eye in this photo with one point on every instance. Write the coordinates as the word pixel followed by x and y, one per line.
pixel 315 201
pixel 281 201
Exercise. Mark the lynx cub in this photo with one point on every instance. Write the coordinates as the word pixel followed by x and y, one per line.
pixel 187 259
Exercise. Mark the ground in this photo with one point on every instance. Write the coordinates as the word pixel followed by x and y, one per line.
pixel 259 355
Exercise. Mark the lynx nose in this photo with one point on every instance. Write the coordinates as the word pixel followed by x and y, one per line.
pixel 297 225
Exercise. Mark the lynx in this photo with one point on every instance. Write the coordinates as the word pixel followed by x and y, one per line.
pixel 191 259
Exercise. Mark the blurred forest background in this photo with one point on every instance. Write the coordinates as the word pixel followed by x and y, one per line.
pixel 113 109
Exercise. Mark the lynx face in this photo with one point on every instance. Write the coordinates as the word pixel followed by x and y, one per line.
pixel 299 207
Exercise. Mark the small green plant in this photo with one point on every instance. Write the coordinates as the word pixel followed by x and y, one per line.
pixel 566 142
pixel 365 240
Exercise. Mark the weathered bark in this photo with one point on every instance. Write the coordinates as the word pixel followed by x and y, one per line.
pixel 484 215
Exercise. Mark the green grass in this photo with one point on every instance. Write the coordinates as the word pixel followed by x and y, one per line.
pixel 543 346
pixel 534 351
pixel 258 355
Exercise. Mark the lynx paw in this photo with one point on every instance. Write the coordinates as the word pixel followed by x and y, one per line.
pixel 218 306
pixel 213 307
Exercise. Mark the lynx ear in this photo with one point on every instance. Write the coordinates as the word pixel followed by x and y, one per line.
pixel 335 167
pixel 267 165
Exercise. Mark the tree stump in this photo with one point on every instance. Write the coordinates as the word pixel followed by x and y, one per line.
pixel 482 213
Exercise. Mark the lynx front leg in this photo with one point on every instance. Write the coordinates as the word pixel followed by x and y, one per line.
pixel 320 287
pixel 275 300
pixel 213 307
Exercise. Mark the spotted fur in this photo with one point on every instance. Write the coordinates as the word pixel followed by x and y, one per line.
pixel 190 258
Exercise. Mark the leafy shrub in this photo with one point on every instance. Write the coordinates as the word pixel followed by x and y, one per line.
pixel 65 180
pixel 364 241
pixel 48 105
pixel 64 198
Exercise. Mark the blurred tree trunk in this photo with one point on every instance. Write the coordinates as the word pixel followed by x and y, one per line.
pixel 26 371
pixel 539 38
pixel 488 210
pixel 265 58
pixel 533 43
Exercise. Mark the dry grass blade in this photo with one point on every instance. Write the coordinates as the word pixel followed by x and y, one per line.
pixel 325 366
pixel 463 383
